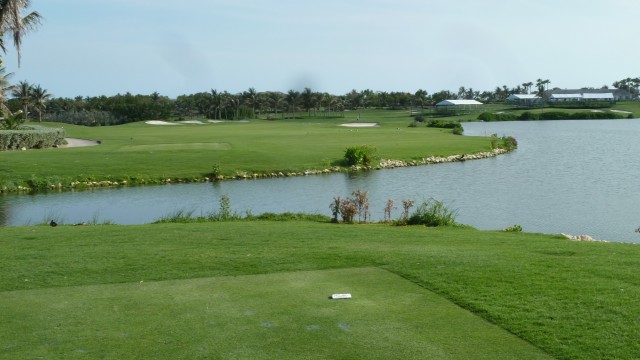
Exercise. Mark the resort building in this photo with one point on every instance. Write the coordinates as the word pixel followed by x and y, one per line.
pixel 458 106
pixel 524 99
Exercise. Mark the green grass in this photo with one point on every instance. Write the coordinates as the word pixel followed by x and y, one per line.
pixel 572 300
pixel 140 151
pixel 274 316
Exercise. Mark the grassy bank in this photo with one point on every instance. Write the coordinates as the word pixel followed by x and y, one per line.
pixel 142 153
pixel 95 291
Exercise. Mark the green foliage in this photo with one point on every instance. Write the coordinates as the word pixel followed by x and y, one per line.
pixel 487 116
pixel 359 155
pixel 216 170
pixel 514 228
pixel 446 124
pixel 12 121
pixel 508 143
pixel 32 137
pixel 86 118
pixel 419 118
pixel 433 213
pixel 551 115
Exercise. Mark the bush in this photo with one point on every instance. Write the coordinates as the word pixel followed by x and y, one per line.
pixel 506 142
pixel 31 137
pixel 514 228
pixel 433 213
pixel 486 116
pixel 359 155
pixel 447 124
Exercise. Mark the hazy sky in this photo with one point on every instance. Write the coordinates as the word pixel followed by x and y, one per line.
pixel 105 47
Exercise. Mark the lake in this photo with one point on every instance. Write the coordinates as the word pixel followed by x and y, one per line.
pixel 577 177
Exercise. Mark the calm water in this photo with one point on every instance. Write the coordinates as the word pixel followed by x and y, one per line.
pixel 578 177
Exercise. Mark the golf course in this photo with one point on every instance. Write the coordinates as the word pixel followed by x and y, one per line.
pixel 143 153
pixel 252 288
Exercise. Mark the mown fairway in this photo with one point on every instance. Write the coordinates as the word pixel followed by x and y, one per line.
pixel 114 291
pixel 142 151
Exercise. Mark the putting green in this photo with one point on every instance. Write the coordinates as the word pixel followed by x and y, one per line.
pixel 274 316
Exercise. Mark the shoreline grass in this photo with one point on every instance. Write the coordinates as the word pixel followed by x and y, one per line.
pixel 571 299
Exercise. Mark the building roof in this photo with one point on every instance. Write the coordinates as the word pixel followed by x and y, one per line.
pixel 585 96
pixel 458 102
pixel 566 96
pixel 607 96
pixel 523 97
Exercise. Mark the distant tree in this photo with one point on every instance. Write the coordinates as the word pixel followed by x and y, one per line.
pixel 4 87
pixel 542 86
pixel 292 98
pixel 13 22
pixel 420 97
pixel 527 87
pixel 276 100
pixel 251 98
pixel 23 92
pixel 39 98
pixel 630 84
pixel 308 98
pixel 442 95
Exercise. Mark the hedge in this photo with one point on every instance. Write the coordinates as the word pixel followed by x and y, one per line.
pixel 31 137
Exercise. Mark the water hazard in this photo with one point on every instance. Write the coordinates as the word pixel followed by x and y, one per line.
pixel 578 177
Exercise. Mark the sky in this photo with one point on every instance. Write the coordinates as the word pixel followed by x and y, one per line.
pixel 108 47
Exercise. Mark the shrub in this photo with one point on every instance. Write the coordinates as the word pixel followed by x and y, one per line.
pixel 506 142
pixel 433 213
pixel 359 155
pixel 31 137
pixel 486 116
pixel 514 228
pixel 419 118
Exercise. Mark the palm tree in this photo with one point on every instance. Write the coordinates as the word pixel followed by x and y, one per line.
pixel 4 87
pixel 39 98
pixel 251 97
pixel 22 91
pixel 292 99
pixel 12 22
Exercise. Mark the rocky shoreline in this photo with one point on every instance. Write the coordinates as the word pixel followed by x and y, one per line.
pixel 384 164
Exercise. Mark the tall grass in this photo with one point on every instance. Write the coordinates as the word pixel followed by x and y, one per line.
pixel 433 213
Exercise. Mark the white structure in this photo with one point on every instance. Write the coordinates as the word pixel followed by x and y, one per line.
pixel 524 99
pixel 453 107
pixel 582 97
pixel 458 103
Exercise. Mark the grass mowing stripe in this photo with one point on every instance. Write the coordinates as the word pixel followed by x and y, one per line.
pixel 284 316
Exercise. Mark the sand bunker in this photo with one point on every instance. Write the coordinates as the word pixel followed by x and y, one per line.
pixel 158 122
pixel 73 142
pixel 622 111
pixel 359 124
pixel 197 122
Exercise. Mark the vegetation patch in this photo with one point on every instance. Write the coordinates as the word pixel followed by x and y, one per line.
pixel 553 115
pixel 31 137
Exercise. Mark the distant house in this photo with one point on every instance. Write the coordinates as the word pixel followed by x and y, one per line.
pixel 593 94
pixel 524 99
pixel 458 106
pixel 585 98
